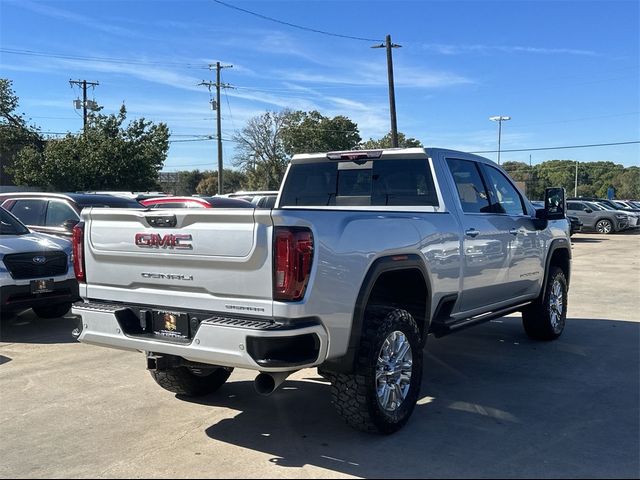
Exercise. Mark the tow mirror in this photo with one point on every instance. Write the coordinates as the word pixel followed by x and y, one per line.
pixel 555 204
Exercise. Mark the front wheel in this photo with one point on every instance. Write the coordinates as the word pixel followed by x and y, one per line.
pixel 604 226
pixel 546 317
pixel 191 382
pixel 382 392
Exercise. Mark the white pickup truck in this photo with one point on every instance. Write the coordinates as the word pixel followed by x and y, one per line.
pixel 363 256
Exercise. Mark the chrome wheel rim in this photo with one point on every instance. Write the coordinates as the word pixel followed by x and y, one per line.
pixel 393 371
pixel 556 306
pixel 604 227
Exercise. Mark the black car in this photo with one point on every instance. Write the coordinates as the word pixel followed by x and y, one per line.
pixel 575 223
pixel 57 213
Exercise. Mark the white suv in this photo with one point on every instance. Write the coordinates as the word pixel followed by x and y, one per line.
pixel 36 270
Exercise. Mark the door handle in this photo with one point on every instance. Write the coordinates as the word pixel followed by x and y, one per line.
pixel 472 232
pixel 514 231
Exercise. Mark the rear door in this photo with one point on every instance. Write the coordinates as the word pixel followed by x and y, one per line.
pixel 579 209
pixel 196 258
pixel 486 240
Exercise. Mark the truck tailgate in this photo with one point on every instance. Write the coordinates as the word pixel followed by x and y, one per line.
pixel 203 259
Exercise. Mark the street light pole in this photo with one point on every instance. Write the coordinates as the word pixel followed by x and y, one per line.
pixel 575 190
pixel 499 119
pixel 392 95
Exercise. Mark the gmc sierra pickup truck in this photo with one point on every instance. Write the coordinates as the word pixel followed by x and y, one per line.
pixel 365 254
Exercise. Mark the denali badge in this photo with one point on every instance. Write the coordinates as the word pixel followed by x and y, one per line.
pixel 170 240
pixel 168 276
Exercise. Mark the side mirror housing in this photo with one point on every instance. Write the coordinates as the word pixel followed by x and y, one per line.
pixel 588 210
pixel 555 205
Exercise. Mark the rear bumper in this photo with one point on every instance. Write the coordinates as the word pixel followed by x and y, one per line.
pixel 16 297
pixel 241 342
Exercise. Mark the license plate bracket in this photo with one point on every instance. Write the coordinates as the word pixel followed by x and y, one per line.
pixel 41 286
pixel 171 324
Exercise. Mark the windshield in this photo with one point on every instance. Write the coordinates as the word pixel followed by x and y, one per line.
pixel 596 206
pixel 10 225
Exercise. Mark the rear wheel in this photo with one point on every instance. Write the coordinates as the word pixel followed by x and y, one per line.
pixel 192 382
pixel 382 392
pixel 52 311
pixel 546 317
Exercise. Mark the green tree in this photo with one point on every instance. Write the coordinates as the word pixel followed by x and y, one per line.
pixel 627 183
pixel 15 133
pixel 108 156
pixel 260 151
pixel 187 182
pixel 385 142
pixel 233 180
pixel 306 132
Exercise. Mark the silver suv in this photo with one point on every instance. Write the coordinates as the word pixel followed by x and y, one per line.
pixel 598 218
pixel 35 270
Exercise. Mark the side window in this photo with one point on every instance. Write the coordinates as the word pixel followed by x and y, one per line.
pixel 403 182
pixel 503 195
pixel 471 189
pixel 575 206
pixel 30 212
pixel 58 213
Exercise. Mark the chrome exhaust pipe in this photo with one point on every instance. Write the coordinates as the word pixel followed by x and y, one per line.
pixel 266 383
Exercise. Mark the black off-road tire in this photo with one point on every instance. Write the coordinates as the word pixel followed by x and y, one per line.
pixel 183 380
pixel 538 319
pixel 355 395
pixel 53 311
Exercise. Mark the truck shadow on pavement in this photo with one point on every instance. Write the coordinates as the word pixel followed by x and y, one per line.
pixel 493 404
pixel 26 327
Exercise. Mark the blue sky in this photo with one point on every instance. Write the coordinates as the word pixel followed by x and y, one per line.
pixel 567 72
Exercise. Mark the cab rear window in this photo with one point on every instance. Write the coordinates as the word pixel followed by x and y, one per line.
pixel 399 182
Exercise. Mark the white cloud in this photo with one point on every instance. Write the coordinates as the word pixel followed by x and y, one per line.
pixel 449 49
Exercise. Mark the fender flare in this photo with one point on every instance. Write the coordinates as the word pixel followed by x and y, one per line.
pixel 389 263
pixel 557 244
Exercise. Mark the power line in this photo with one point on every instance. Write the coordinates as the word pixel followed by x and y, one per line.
pixel 561 148
pixel 124 61
pixel 293 25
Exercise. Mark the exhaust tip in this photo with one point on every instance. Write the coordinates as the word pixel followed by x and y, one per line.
pixel 265 384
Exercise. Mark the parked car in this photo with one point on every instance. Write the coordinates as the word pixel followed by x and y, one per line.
pixel 57 213
pixel 195 202
pixel 133 195
pixel 250 195
pixel 36 270
pixel 632 216
pixel 595 217
pixel 264 201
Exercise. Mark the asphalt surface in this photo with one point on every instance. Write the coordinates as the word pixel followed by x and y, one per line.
pixel 493 404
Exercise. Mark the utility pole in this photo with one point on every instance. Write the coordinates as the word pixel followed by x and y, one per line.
pixel 218 86
pixel 83 84
pixel 392 95
pixel 575 190
pixel 499 119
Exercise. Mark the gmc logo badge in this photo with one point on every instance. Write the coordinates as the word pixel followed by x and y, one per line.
pixel 170 240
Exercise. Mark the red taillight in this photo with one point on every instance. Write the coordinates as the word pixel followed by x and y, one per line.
pixel 292 255
pixel 78 252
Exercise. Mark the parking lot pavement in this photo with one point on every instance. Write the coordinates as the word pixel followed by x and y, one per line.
pixel 493 403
